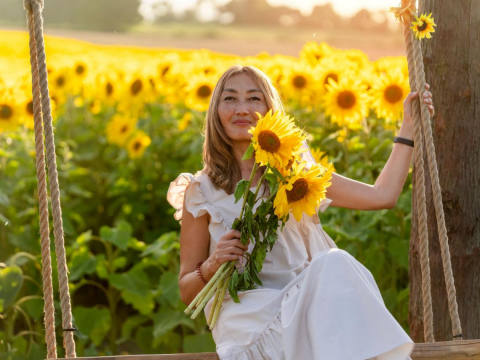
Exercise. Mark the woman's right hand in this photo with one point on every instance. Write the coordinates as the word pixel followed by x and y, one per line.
pixel 229 248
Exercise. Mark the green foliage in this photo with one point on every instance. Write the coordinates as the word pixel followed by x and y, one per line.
pixel 122 242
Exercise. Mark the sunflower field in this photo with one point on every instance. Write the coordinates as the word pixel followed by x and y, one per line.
pixel 127 122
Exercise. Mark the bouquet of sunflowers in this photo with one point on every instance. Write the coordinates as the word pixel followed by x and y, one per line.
pixel 277 143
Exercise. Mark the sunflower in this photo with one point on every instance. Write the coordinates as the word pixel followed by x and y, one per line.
pixel 9 112
pixel 137 145
pixel 314 52
pixel 387 95
pixel 300 82
pixel 346 102
pixel 321 158
pixel 199 92
pixel 119 129
pixel 303 191
pixel 276 140
pixel 329 70
pixel 423 26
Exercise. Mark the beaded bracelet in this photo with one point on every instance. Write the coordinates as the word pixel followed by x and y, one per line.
pixel 199 272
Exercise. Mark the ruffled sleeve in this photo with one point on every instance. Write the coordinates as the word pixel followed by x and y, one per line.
pixel 324 204
pixel 196 202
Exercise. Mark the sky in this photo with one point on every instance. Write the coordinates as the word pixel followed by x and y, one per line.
pixel 342 7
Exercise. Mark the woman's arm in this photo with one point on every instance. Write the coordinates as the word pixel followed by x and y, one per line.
pixel 194 247
pixel 352 194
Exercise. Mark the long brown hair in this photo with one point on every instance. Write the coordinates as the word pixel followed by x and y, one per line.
pixel 218 160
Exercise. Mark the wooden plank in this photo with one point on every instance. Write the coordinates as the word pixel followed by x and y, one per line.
pixel 198 356
pixel 453 350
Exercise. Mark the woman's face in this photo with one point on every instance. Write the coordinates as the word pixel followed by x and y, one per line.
pixel 239 101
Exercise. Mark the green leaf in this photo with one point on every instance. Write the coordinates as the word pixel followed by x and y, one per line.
pixel 240 189
pixel 260 255
pixel 235 278
pixel 129 325
pixel 11 281
pixel 119 235
pixel 101 267
pixel 144 304
pixel 199 343
pixel 82 262
pixel 135 281
pixel 95 323
pixel 249 152
pixel 34 308
pixel 232 291
pixel 163 248
pixel 167 319
pixel 169 288
pixel 255 277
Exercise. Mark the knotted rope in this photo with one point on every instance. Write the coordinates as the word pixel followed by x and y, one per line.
pixel 41 110
pixel 420 111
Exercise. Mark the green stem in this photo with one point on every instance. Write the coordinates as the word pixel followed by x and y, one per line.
pixel 252 175
pixel 259 184
pixel 207 287
pixel 215 301
pixel 219 305
pixel 210 293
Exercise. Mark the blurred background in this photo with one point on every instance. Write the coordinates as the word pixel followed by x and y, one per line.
pixel 275 26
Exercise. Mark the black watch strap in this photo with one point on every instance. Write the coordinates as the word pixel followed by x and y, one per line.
pixel 401 140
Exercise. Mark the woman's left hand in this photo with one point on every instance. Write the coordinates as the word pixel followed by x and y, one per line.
pixel 407 104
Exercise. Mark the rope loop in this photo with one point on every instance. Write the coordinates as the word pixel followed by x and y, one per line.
pixel 405 13
pixel 28 5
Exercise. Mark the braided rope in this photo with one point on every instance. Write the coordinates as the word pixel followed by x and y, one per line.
pixel 415 58
pixel 49 308
pixel 40 81
pixel 420 195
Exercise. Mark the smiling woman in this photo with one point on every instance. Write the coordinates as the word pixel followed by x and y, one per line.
pixel 305 266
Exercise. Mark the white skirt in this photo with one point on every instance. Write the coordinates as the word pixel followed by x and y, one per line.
pixel 332 310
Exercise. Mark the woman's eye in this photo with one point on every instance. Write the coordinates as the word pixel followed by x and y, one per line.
pixel 255 98
pixel 229 98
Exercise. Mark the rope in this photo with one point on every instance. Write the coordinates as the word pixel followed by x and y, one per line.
pixel 48 306
pixel 420 196
pixel 420 111
pixel 40 93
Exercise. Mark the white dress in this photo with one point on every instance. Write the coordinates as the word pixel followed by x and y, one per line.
pixel 317 301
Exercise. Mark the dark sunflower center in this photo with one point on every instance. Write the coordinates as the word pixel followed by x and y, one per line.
pixel 137 145
pixel 332 76
pixel 109 89
pixel 269 141
pixel 204 91
pixel 165 70
pixel 317 56
pixel 29 107
pixel 346 99
pixel 136 87
pixel 299 81
pixel 6 112
pixel 124 129
pixel 60 81
pixel 423 26
pixel 80 69
pixel 298 192
pixel 290 163
pixel 393 94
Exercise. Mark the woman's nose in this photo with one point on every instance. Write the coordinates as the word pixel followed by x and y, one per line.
pixel 241 109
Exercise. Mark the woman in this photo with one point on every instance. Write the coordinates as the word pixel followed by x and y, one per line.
pixel 317 301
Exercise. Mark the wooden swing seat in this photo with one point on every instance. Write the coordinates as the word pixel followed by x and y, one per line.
pixel 452 350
